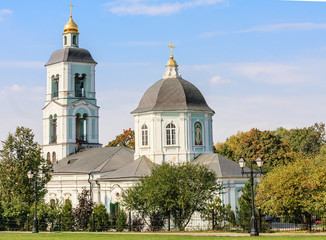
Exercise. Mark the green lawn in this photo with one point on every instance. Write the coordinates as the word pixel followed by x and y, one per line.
pixel 91 236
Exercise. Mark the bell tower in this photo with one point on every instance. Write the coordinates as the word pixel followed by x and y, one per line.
pixel 70 115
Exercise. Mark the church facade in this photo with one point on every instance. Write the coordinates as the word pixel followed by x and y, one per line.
pixel 173 124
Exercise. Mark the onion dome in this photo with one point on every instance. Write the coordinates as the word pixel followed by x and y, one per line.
pixel 70 27
pixel 172 93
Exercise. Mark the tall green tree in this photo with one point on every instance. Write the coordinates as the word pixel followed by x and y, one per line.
pixel 19 155
pixel 126 139
pixel 67 219
pixel 176 189
pixel 244 211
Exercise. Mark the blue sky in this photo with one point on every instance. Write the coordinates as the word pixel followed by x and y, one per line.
pixel 258 63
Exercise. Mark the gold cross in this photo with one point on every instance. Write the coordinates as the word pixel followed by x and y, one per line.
pixel 171 46
pixel 71 9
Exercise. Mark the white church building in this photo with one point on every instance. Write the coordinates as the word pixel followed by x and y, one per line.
pixel 173 124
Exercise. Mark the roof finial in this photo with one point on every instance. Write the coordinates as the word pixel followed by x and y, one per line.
pixel 171 46
pixel 71 6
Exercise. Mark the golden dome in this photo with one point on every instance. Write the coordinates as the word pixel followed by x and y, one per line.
pixel 172 62
pixel 70 27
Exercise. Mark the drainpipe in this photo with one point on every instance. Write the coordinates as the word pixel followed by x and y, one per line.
pixel 99 192
pixel 90 186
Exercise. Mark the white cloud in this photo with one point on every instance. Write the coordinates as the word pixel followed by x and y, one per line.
pixel 285 27
pixel 144 7
pixel 4 12
pixel 270 28
pixel 218 80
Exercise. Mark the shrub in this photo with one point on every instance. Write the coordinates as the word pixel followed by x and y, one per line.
pixel 121 221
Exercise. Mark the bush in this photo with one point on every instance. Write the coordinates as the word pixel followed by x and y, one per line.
pixel 121 221
pixel 137 223
pixel 83 210
pixel 101 218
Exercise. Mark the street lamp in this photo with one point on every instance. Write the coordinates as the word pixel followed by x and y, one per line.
pixel 253 222
pixel 34 178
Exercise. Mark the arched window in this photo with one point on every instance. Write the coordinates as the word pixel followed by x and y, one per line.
pixel 170 134
pixel 54 157
pixel 74 40
pixel 198 133
pixel 53 129
pixel 65 40
pixel 81 128
pixel 48 156
pixel 80 85
pixel 55 85
pixel 144 135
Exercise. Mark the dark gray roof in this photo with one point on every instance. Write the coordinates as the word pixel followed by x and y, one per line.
pixel 95 160
pixel 71 54
pixel 138 168
pixel 223 167
pixel 172 94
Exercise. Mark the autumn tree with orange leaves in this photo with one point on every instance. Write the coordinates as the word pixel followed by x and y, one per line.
pixel 126 139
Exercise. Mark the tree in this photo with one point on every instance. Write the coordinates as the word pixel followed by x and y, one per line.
pixel 179 190
pixel 255 143
pixel 19 155
pixel 244 211
pixel 126 139
pixel 67 219
pixel 83 210
pixel 295 189
pixel 307 140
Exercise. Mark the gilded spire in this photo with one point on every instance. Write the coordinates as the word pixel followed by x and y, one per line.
pixel 171 62
pixel 71 26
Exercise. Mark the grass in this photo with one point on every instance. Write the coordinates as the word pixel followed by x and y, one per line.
pixel 98 236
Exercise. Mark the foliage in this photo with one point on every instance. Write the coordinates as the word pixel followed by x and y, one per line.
pixel 101 218
pixel 126 139
pixel 121 221
pixel 307 140
pixel 244 211
pixel 19 155
pixel 297 188
pixel 43 215
pixel 137 223
pixel 179 189
pixel 67 219
pixel 83 210
pixel 223 215
pixel 255 143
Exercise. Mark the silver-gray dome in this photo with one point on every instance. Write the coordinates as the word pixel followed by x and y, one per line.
pixel 71 54
pixel 172 94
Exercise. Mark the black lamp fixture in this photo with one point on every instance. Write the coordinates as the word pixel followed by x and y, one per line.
pixel 242 163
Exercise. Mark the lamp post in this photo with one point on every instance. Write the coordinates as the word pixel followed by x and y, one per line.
pixel 253 222
pixel 34 178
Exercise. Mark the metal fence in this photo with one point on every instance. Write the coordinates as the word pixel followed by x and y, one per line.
pixel 159 222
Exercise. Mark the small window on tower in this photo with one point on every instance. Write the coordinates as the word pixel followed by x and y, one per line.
pixel 144 135
pixel 74 40
pixel 55 85
pixel 53 129
pixel 65 40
